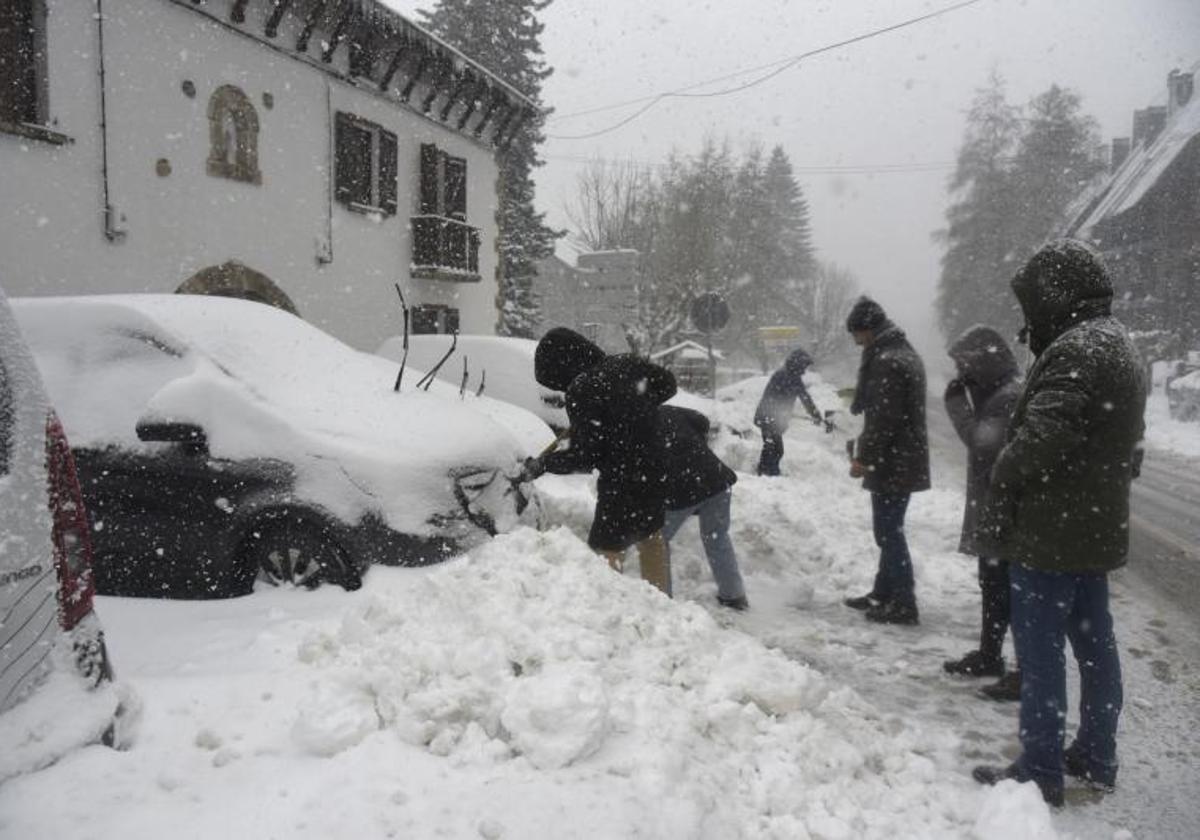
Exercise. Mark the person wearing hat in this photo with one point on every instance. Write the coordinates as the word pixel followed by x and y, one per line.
pixel 774 410
pixel 891 455
pixel 612 405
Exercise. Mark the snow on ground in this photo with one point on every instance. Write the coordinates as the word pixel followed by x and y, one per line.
pixel 525 691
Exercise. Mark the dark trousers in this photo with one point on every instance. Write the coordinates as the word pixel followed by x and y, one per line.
pixel 994 598
pixel 894 580
pixel 772 453
pixel 1046 608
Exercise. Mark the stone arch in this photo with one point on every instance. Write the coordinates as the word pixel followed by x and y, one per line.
pixel 233 136
pixel 232 279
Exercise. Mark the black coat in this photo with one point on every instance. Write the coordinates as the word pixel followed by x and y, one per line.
pixel 893 446
pixel 694 473
pixel 774 411
pixel 1059 496
pixel 980 402
pixel 612 405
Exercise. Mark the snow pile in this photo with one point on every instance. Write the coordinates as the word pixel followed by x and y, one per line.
pixel 1164 432
pixel 532 653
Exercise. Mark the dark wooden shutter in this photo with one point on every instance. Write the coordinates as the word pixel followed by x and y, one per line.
pixel 454 181
pixel 451 320
pixel 429 180
pixel 387 172
pixel 18 63
pixel 341 164
pixel 424 320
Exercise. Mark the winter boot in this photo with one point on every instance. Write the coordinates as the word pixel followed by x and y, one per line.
pixel 990 775
pixel 1076 764
pixel 1006 689
pixel 893 612
pixel 864 602
pixel 975 664
pixel 740 604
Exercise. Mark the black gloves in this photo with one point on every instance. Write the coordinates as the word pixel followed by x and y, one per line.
pixel 532 468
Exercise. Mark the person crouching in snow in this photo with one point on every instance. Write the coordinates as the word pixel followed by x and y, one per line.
pixel 980 400
pixel 699 483
pixel 612 407
pixel 774 410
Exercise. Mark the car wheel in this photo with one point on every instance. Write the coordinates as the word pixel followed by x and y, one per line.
pixel 296 553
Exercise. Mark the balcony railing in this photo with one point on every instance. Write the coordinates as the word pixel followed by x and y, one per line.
pixel 444 249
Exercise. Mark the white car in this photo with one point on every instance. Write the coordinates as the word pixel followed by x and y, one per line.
pixel 220 441
pixel 56 690
pixel 503 366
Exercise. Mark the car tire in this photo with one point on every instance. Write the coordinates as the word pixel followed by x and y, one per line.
pixel 293 551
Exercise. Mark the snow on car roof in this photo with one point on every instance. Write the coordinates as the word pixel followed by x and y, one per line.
pixel 264 383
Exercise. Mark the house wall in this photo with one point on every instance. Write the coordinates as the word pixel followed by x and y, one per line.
pixel 338 266
pixel 596 298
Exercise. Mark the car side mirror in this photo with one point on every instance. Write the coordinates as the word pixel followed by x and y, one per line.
pixel 189 434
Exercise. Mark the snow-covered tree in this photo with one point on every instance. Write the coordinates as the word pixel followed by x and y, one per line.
pixel 504 36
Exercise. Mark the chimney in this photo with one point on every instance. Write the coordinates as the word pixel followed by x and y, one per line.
pixel 1179 90
pixel 1148 123
pixel 1120 151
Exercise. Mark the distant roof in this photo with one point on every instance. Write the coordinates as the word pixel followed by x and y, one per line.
pixel 688 349
pixel 1142 169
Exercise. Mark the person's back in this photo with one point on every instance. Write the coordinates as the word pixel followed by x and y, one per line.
pixel 774 411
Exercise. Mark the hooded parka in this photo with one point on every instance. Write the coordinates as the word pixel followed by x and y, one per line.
pixel 980 402
pixel 612 405
pixel 1059 495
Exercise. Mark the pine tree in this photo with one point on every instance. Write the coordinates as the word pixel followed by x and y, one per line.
pixel 796 258
pixel 503 36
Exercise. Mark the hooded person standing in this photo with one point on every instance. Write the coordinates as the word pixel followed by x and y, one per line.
pixel 980 400
pixel 1058 512
pixel 774 411
pixel 612 406
pixel 891 455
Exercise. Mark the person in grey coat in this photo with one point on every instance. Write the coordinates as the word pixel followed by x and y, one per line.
pixel 774 411
pixel 1058 512
pixel 979 400
pixel 891 455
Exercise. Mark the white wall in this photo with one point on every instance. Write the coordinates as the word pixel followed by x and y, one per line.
pixel 51 197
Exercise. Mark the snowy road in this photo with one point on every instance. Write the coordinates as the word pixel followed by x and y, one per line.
pixel 1165 545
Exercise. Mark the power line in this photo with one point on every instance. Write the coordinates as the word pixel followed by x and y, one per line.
pixel 778 67
pixel 816 169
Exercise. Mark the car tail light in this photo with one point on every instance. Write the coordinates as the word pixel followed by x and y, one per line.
pixel 72 540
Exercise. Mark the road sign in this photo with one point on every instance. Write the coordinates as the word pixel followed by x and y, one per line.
pixel 710 312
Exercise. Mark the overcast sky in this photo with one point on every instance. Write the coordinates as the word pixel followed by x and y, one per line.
pixel 898 99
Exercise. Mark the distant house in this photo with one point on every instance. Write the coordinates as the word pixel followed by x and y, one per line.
pixel 305 153
pixel 689 361
pixel 597 297
pixel 1145 218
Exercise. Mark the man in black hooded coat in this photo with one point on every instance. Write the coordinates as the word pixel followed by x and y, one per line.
pixel 979 400
pixel 612 405
pixel 891 455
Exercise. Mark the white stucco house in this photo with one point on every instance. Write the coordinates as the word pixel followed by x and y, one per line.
pixel 307 153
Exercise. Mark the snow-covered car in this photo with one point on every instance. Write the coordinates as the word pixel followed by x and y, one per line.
pixel 504 367
pixel 56 689
pixel 221 441
pixel 1183 388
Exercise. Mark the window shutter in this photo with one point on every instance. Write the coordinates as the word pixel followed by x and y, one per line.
pixel 429 179
pixel 341 162
pixel 455 181
pixel 387 172
pixel 451 320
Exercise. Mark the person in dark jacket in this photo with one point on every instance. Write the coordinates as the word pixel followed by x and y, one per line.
pixel 891 455
pixel 699 483
pixel 774 411
pixel 1058 512
pixel 979 400
pixel 612 406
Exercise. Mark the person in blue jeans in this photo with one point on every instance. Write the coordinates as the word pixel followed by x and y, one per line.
pixel 1058 512
pixel 700 484
pixel 891 455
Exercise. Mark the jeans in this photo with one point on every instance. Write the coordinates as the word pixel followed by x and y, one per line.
pixel 772 453
pixel 894 580
pixel 1046 607
pixel 714 534
pixel 994 600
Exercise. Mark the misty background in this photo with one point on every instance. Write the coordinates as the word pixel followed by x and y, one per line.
pixel 872 128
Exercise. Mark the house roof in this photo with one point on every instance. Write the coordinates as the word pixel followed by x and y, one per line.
pixel 687 349
pixel 385 50
pixel 1136 177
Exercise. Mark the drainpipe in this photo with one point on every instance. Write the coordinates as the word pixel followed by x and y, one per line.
pixel 111 232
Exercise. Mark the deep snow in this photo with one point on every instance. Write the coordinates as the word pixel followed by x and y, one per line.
pixel 525 691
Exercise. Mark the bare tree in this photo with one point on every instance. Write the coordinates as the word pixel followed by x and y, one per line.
pixel 821 306
pixel 608 204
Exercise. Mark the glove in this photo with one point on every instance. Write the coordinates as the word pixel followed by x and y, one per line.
pixel 531 470
pixel 955 388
